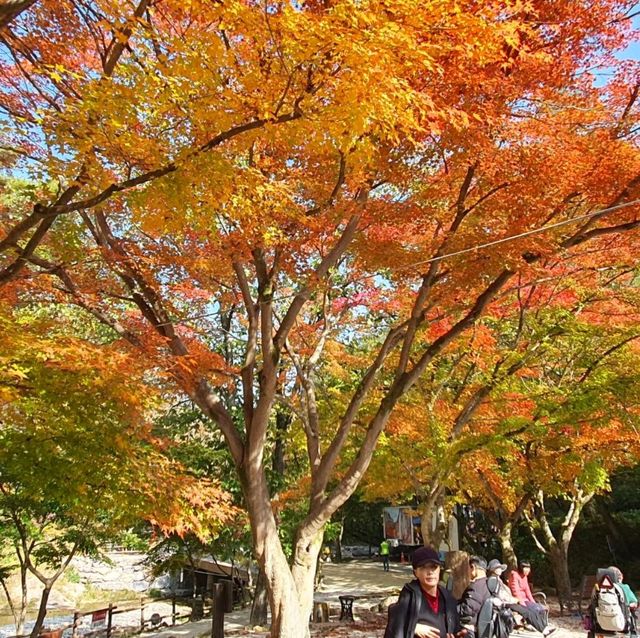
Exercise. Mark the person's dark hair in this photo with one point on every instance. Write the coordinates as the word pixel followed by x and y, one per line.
pixel 523 563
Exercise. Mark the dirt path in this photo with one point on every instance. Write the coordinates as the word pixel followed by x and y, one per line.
pixel 366 580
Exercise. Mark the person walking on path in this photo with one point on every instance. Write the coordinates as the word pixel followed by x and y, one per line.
pixel 424 608
pixel 384 553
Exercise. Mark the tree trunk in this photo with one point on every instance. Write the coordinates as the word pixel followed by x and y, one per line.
pixel 506 544
pixel 338 555
pixel 560 566
pixel 305 563
pixel 42 610
pixel 283 420
pixel 458 565
pixel 441 528
pixel 19 613
pixel 22 614
pixel 287 617
pixel 428 509
pixel 259 605
pixel 557 547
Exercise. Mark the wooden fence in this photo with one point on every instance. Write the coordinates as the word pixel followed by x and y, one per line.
pixel 102 619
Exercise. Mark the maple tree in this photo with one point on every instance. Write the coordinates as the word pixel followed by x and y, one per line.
pixel 475 397
pixel 255 200
pixel 453 411
pixel 78 461
pixel 517 489
pixel 582 414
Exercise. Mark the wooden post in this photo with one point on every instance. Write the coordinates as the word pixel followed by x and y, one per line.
pixel 227 586
pixel 141 613
pixel 217 611
pixel 109 620
pixel 173 609
pixel 74 627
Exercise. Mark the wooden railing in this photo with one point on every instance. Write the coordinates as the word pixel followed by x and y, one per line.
pixel 102 619
pixel 102 624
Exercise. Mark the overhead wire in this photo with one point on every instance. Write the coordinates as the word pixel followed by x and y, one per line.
pixel 534 231
pixel 526 233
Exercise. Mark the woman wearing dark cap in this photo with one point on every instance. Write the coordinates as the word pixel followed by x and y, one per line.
pixel 424 608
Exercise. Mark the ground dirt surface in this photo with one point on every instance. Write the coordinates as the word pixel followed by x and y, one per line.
pixel 366 580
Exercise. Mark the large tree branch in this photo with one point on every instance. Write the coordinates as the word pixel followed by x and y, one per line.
pixel 45 215
pixel 328 262
pixel 121 39
pixel 268 378
pixel 592 366
pixel 601 232
pixel 362 391
pixel 149 303
pixel 82 301
pixel 417 310
pixel 582 234
pixel 401 384
pixel 40 215
pixel 37 217
pixel 406 380
pixel 211 405
pixel 247 373
pixel 622 124
pixel 311 421
pixel 11 9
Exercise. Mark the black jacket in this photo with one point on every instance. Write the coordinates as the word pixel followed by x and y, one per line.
pixel 471 602
pixel 411 605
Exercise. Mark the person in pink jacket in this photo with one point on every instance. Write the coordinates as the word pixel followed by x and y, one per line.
pixel 520 588
pixel 519 584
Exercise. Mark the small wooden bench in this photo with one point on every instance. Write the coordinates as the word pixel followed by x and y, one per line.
pixel 583 593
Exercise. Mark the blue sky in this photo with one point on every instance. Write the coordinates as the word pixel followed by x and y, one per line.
pixel 632 52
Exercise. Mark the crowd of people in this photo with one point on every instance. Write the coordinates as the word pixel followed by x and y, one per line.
pixel 427 609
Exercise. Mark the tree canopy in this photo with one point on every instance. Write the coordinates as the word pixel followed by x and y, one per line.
pixel 281 203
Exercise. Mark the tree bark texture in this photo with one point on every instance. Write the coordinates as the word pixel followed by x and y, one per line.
pixel 42 611
pixel 259 607
pixel 506 544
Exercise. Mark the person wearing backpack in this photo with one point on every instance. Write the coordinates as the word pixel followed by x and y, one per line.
pixel 630 598
pixel 632 603
pixel 609 609
pixel 474 596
